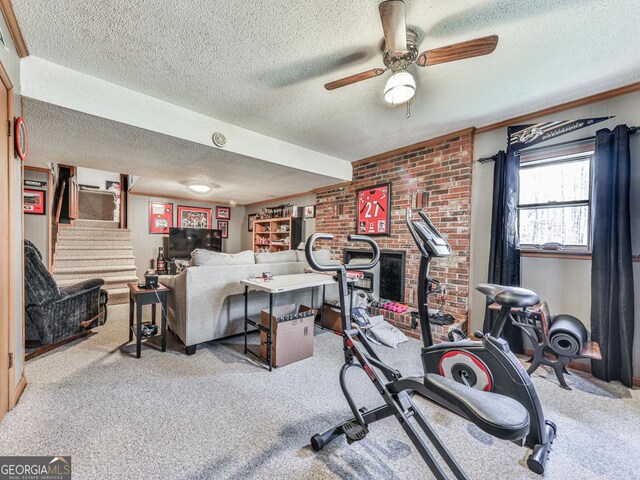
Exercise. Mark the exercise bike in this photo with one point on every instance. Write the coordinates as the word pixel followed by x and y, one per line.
pixel 489 364
pixel 495 414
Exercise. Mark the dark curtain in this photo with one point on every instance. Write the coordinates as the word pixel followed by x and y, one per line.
pixel 504 257
pixel 612 297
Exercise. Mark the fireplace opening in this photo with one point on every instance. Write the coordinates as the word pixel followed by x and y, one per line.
pixel 387 279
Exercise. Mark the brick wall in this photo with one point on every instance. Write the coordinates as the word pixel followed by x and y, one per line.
pixel 442 169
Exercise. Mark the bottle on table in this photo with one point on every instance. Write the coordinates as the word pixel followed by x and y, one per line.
pixel 161 264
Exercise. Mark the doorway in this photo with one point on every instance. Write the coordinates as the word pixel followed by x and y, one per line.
pixel 8 280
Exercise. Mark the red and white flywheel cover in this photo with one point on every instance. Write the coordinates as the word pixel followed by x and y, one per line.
pixel 458 357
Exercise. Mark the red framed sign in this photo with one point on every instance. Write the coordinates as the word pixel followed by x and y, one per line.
pixel 373 210
pixel 22 142
pixel 223 213
pixel 194 217
pixel 33 201
pixel 160 217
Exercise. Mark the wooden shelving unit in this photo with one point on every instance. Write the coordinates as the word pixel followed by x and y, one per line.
pixel 276 234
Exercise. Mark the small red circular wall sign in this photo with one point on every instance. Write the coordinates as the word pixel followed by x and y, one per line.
pixel 22 143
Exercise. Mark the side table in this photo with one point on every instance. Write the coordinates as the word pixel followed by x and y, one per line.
pixel 278 284
pixel 147 296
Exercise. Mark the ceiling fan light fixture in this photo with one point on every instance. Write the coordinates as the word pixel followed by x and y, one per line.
pixel 200 188
pixel 400 88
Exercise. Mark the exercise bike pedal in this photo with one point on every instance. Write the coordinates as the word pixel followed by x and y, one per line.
pixel 354 432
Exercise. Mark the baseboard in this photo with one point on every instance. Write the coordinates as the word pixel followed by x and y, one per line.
pixel 51 346
pixel 583 367
pixel 18 390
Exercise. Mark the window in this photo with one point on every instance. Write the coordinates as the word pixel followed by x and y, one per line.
pixel 554 202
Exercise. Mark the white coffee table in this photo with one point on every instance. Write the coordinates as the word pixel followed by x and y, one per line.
pixel 279 284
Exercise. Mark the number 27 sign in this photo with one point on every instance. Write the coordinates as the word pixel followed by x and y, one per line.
pixel 374 210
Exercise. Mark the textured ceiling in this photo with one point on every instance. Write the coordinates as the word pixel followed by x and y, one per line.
pixel 262 64
pixel 166 164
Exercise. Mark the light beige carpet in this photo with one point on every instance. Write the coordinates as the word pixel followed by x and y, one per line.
pixel 217 415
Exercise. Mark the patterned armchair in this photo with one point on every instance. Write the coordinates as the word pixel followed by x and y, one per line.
pixel 54 314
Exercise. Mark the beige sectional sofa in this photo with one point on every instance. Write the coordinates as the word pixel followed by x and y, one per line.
pixel 207 302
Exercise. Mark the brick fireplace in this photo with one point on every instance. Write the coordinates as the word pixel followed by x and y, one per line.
pixel 441 170
pixel 391 271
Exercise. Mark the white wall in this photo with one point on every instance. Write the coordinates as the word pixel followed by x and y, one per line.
pixel 308 224
pixel 565 284
pixel 58 85
pixel 145 245
pixel 98 178
pixel 36 227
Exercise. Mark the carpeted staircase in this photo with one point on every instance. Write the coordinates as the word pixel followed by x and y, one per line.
pixel 96 249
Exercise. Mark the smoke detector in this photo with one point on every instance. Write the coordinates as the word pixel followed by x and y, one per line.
pixel 219 140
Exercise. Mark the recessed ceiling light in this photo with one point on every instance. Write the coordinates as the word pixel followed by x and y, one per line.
pixel 200 188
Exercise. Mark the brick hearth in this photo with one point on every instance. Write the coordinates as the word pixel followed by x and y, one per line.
pixel 442 170
pixel 439 333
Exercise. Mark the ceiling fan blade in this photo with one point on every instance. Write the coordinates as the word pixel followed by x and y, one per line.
pixel 458 51
pixel 343 82
pixel 393 25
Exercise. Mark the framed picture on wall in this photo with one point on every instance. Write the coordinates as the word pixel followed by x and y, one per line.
pixel 310 211
pixel 373 210
pixel 160 217
pixel 223 225
pixel 194 217
pixel 34 201
pixel 250 219
pixel 223 213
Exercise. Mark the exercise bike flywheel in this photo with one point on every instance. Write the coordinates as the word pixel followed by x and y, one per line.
pixel 466 368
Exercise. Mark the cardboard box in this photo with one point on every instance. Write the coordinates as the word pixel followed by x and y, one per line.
pixel 331 318
pixel 292 340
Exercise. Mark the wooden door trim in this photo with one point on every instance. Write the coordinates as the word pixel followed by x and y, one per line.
pixel 37 169
pixel 18 391
pixel 49 207
pixel 123 201
pixel 14 28
pixel 598 97
pixel 9 264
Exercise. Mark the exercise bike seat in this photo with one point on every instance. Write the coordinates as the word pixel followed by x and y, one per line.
pixel 509 296
pixel 498 415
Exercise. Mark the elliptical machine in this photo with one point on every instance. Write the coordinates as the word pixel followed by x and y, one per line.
pixel 489 364
pixel 495 414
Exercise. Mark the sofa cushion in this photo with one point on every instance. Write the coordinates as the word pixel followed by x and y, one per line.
pixel 285 256
pixel 201 257
pixel 322 256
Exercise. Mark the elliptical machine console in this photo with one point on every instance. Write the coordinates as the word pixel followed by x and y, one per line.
pixel 427 236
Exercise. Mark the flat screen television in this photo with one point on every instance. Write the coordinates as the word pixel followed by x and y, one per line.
pixel 183 241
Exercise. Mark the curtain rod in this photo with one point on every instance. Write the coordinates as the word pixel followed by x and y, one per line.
pixel 492 158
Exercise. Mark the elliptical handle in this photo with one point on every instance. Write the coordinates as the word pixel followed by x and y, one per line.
pixel 308 252
pixel 374 246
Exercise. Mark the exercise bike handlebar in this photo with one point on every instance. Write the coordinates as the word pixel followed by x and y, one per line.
pixel 308 250
pixel 413 233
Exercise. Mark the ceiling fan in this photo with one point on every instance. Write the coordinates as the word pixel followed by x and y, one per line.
pixel 400 50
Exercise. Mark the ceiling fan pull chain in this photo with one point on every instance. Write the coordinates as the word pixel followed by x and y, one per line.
pixel 409 108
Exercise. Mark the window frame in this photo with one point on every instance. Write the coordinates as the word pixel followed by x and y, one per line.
pixel 573 152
